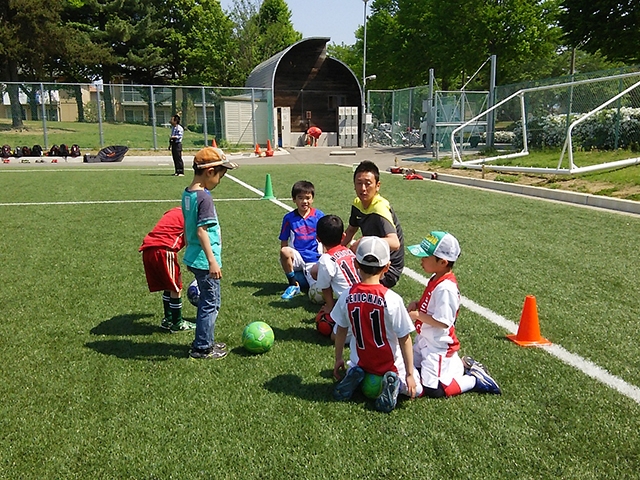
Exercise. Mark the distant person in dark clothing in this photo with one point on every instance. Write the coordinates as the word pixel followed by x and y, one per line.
pixel 175 142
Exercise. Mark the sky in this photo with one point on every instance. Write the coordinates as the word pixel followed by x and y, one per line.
pixel 337 19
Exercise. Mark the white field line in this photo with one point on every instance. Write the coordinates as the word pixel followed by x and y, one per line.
pixel 259 192
pixel 587 367
pixel 96 202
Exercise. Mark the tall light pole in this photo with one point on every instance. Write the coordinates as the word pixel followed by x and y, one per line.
pixel 364 71
pixel 364 49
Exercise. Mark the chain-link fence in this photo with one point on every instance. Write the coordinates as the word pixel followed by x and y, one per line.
pixel 138 116
pixel 550 111
pixel 396 116
pixel 403 117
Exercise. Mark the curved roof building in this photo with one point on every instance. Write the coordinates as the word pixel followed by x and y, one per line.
pixel 311 84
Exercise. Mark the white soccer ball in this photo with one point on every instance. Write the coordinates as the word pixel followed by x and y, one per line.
pixel 315 295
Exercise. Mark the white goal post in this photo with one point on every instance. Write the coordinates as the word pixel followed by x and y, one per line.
pixel 567 150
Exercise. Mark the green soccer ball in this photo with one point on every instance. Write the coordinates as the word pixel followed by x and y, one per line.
pixel 257 337
pixel 371 385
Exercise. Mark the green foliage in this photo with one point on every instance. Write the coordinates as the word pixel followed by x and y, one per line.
pixel 275 28
pixel 407 37
pixel 245 55
pixel 608 129
pixel 94 389
pixel 204 43
pixel 607 26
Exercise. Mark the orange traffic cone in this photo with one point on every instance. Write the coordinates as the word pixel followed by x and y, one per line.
pixel 529 329
pixel 269 151
pixel 257 151
pixel 214 144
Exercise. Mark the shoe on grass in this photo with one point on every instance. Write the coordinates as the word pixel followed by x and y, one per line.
pixel 344 390
pixel 291 291
pixel 484 382
pixel 468 362
pixel 389 396
pixel 212 353
pixel 166 324
pixel 182 326
pixel 220 345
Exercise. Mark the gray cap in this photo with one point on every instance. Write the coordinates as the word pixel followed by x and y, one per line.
pixel 375 249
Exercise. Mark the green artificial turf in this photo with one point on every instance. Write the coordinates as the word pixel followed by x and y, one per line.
pixel 93 388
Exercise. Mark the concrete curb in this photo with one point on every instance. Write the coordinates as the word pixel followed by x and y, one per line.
pixel 597 201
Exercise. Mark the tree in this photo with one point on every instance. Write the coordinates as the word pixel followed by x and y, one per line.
pixel 246 56
pixel 23 54
pixel 275 28
pixel 202 36
pixel 606 26
pixel 407 37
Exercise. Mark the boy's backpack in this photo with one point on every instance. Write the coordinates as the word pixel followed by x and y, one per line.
pixel 75 150
pixel 6 151
pixel 17 152
pixel 54 151
pixel 26 151
pixel 64 150
pixel 36 151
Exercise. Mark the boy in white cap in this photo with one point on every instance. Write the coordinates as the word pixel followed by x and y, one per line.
pixel 381 326
pixel 435 353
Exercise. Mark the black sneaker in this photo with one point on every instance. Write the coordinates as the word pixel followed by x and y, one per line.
pixel 220 345
pixel 212 353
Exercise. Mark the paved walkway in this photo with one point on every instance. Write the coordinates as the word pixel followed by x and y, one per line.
pixel 384 158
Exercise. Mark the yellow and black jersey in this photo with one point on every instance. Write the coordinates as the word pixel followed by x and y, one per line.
pixel 379 220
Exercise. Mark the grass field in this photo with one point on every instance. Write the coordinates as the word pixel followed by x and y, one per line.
pixel 93 388
pixel 87 135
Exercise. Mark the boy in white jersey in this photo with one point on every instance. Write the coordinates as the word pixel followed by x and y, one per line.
pixel 336 270
pixel 381 342
pixel 435 352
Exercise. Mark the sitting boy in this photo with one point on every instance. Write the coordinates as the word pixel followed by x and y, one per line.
pixel 381 342
pixel 299 248
pixel 336 271
pixel 435 352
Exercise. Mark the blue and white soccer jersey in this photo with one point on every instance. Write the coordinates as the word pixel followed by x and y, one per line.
pixel 377 317
pixel 300 234
pixel 435 351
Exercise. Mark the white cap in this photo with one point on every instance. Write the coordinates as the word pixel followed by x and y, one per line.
pixel 375 250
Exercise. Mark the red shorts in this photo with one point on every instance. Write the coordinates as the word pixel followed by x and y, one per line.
pixel 162 270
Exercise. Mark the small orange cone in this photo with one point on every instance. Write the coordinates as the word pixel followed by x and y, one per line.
pixel 269 151
pixel 257 151
pixel 214 144
pixel 529 329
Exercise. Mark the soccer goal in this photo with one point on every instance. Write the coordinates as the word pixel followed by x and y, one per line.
pixel 592 114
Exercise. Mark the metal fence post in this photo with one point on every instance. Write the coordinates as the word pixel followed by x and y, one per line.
pixel 393 115
pixel 99 116
pixel 44 117
pixel 491 119
pixel 253 116
pixel 153 117
pixel 204 117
